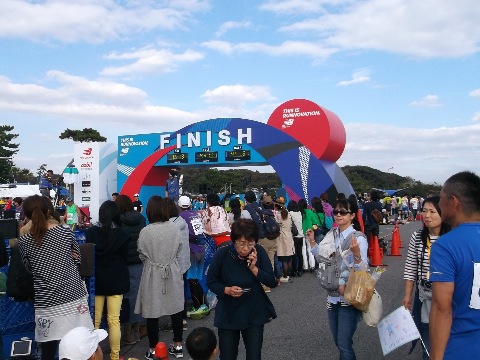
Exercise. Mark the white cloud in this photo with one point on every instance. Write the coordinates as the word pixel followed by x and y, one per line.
pixel 74 97
pixel 314 50
pixel 426 154
pixel 357 78
pixel 475 93
pixel 476 117
pixel 297 6
pixel 149 61
pixel 429 28
pixel 427 101
pixel 237 95
pixel 91 21
pixel 229 25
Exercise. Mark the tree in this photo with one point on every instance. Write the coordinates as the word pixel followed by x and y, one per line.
pixel 7 150
pixel 22 175
pixel 85 135
pixel 42 169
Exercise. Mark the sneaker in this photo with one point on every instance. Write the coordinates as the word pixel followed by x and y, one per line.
pixel 176 351
pixel 266 289
pixel 150 355
pixel 189 313
pixel 200 313
pixel 286 279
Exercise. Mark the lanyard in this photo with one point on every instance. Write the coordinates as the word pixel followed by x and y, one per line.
pixel 428 246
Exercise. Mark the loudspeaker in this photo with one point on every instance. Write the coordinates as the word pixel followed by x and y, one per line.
pixel 9 228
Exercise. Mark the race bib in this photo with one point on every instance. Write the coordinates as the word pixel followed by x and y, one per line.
pixel 197 226
pixel 475 296
pixel 69 217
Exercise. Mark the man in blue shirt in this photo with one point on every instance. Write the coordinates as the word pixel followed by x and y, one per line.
pixel 455 272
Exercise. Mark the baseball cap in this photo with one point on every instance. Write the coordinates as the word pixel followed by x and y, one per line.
pixel 184 202
pixel 68 199
pixel 80 343
pixel 136 195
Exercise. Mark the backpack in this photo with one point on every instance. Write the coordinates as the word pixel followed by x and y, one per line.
pixel 377 216
pixel 216 221
pixel 270 225
pixel 19 280
pixel 329 269
pixel 329 222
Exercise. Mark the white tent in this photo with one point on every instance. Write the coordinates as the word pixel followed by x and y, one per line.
pixel 22 191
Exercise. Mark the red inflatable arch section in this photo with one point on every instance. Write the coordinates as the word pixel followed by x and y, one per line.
pixel 319 129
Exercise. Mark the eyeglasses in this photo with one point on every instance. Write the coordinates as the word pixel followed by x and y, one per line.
pixel 245 244
pixel 341 212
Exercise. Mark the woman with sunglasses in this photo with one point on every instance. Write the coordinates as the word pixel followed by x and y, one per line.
pixel 236 275
pixel 417 267
pixel 342 317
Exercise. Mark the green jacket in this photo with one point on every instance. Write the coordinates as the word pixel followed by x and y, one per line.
pixel 312 217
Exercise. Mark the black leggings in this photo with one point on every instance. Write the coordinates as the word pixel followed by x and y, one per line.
pixel 152 329
pixel 297 261
pixel 196 290
pixel 49 349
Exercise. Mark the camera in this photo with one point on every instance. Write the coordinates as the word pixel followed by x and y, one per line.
pixel 426 284
pixel 23 349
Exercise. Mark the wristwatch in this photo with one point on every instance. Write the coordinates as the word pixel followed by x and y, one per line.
pixel 357 257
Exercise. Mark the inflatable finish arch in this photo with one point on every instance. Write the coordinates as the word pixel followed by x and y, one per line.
pixel 301 141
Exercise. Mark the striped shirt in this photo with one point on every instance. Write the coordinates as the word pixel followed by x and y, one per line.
pixel 416 267
pixel 56 279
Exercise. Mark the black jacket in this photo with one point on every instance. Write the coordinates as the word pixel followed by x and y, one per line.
pixel 111 253
pixel 132 223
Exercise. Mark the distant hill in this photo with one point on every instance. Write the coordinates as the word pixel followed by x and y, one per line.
pixel 362 178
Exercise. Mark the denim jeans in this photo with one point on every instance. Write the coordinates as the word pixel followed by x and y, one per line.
pixel 343 322
pixel 252 338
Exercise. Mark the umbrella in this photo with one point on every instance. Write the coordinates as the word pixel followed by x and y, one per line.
pixel 70 175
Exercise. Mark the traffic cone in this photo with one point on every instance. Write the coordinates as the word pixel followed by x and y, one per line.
pixel 395 249
pixel 370 246
pixel 377 256
pixel 399 238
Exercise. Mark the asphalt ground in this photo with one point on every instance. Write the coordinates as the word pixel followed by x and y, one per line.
pixel 301 329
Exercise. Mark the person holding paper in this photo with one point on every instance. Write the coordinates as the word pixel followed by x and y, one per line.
pixel 455 272
pixel 417 267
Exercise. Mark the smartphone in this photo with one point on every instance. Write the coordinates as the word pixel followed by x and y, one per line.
pixel 245 290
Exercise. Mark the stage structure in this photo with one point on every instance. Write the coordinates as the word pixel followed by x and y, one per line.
pixel 301 141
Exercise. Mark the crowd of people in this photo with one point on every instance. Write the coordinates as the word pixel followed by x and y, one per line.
pixel 143 265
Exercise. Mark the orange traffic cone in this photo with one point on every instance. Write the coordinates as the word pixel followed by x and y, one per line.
pixel 370 246
pixel 377 256
pixel 399 238
pixel 395 250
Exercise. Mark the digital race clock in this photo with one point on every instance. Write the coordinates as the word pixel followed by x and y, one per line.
pixel 237 155
pixel 177 158
pixel 206 156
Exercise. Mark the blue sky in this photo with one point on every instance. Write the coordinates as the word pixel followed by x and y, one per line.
pixel 402 75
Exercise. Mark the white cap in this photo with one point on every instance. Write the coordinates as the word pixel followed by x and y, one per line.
pixel 80 343
pixel 184 202
pixel 136 195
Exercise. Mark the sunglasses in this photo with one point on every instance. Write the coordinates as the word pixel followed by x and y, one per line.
pixel 341 212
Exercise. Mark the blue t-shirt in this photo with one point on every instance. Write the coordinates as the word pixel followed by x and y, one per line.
pixel 452 260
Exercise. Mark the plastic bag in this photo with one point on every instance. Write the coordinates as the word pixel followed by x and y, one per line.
pixel 359 289
pixel 211 300
pixel 374 312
